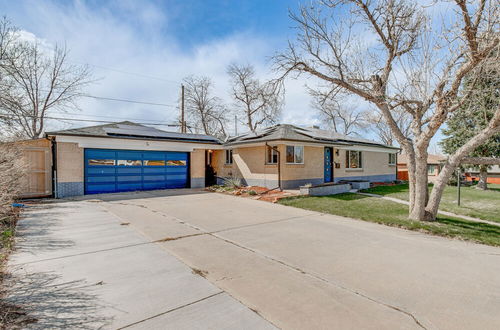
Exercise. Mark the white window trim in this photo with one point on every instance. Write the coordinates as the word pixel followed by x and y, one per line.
pixel 303 154
pixel 231 158
pixel 395 161
pixel 349 168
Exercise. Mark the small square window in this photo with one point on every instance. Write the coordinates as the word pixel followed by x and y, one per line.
pixel 272 155
pixel 229 156
pixel 354 159
pixel 295 154
pixel 392 159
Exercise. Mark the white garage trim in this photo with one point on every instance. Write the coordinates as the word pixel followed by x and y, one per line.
pixel 131 144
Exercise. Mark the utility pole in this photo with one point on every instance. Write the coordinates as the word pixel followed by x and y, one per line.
pixel 183 123
pixel 458 186
pixel 235 125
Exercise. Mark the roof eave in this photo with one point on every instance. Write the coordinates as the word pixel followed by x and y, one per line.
pixel 135 138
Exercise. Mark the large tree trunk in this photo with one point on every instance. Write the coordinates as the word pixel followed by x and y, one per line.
pixel 454 160
pixel 483 177
pixel 421 191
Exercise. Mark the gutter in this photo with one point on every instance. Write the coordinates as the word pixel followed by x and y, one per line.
pixel 279 168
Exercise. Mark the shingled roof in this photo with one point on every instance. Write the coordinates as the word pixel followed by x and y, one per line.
pixel 130 130
pixel 294 133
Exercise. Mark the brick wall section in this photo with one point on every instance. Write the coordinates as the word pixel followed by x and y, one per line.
pixel 70 171
pixel 374 164
pixel 250 164
pixel 197 168
pixel 69 162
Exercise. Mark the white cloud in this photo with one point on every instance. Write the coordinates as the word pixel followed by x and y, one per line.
pixel 143 45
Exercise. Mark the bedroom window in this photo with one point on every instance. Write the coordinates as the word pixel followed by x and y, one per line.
pixel 354 159
pixel 229 156
pixel 392 159
pixel 295 154
pixel 271 155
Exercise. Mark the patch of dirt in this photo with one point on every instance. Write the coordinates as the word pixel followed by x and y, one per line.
pixel 257 192
pixel 14 317
pixel 202 273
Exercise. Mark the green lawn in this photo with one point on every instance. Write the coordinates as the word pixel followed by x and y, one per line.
pixel 393 214
pixel 475 203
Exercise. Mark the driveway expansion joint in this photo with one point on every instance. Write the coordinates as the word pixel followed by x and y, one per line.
pixel 328 282
pixel 171 310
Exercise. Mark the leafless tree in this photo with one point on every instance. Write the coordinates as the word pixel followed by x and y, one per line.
pixel 35 82
pixel 205 112
pixel 12 170
pixel 259 103
pixel 392 54
pixel 379 126
pixel 341 117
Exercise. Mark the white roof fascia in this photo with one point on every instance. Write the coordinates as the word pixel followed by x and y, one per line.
pixel 132 144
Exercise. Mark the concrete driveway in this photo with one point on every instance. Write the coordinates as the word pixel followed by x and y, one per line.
pixel 294 268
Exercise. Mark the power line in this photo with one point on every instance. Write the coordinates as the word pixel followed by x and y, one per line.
pixel 98 116
pixel 133 73
pixel 89 120
pixel 129 101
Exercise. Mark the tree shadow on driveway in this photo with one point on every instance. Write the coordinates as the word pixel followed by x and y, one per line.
pixel 41 301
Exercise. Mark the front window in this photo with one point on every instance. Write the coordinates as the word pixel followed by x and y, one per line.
pixel 272 155
pixel 354 159
pixel 295 154
pixel 229 156
pixel 431 169
pixel 392 159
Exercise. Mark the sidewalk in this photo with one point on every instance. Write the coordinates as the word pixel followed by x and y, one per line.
pixel 450 214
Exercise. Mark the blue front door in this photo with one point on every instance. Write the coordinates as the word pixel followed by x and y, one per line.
pixel 109 170
pixel 328 165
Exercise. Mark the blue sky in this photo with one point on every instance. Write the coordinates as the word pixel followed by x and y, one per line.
pixel 166 39
pixel 163 39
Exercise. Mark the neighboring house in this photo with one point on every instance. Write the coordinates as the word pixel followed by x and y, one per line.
pixel 290 156
pixel 434 165
pixel 126 156
pixel 493 174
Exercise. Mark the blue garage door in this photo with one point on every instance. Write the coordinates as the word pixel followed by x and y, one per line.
pixel 126 170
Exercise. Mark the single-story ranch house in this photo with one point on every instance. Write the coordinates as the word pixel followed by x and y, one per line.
pixel 126 156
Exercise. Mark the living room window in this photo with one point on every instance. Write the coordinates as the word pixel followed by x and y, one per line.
pixel 229 156
pixel 271 155
pixel 295 154
pixel 354 159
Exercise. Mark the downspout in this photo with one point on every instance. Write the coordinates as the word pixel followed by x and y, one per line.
pixel 279 167
pixel 54 166
pixel 397 166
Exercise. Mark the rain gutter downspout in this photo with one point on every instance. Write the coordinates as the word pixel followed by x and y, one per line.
pixel 279 167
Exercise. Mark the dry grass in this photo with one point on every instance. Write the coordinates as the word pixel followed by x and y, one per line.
pixel 11 176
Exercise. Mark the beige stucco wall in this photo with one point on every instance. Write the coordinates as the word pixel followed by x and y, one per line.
pixel 249 163
pixel 311 169
pixel 374 163
pixel 69 162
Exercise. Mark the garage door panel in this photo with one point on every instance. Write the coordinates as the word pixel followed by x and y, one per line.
pixel 102 179
pixel 101 188
pixel 148 178
pixel 154 170
pixel 128 170
pixel 129 178
pixel 124 170
pixel 94 170
pixel 101 153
